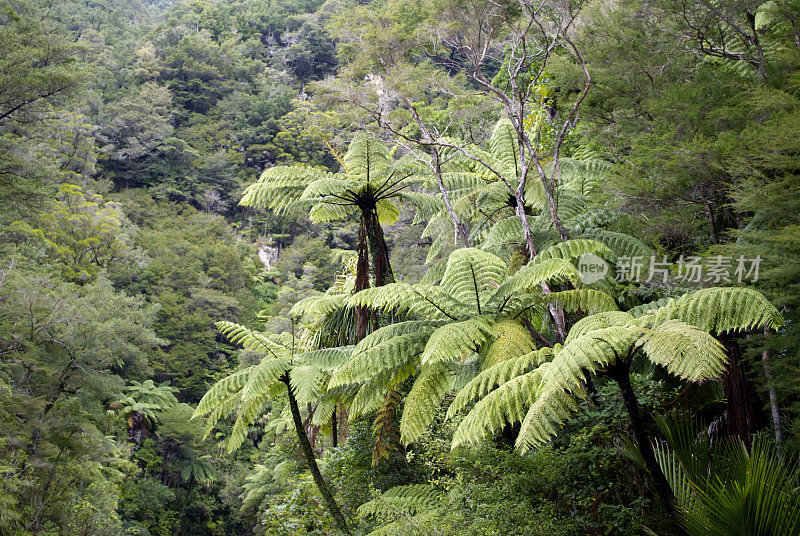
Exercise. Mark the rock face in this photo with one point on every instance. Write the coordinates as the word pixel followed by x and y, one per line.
pixel 268 256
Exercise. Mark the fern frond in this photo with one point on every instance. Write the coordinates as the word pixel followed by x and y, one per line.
pixel 457 340
pixel 472 276
pixel 721 310
pixel 495 376
pixel 573 249
pixel 279 188
pixel 583 299
pixel 684 350
pixel 507 404
pixel 599 321
pixel 622 245
pixel 250 339
pixel 564 376
pixel 509 339
pixel 386 355
pixel 532 275
pixel 423 400
pixel 232 383
pixel 408 499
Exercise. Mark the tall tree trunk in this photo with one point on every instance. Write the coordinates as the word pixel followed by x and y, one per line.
pixel 311 460
pixel 620 373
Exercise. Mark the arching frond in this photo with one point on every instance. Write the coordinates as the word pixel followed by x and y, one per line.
pixel 721 310
pixel 221 390
pixel 495 376
pixel 509 339
pixel 532 275
pixel 599 321
pixel 507 404
pixel 250 339
pixel 573 249
pixel 564 376
pixel 684 350
pixel 409 499
pixel 423 400
pixel 386 355
pixel 583 299
pixel 621 244
pixel 279 188
pixel 472 276
pixel 457 340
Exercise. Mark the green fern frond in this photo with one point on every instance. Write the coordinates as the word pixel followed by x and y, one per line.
pixel 721 310
pixel 408 499
pixel 279 188
pixel 472 276
pixel 386 355
pixel 533 274
pixel 583 299
pixel 423 400
pixel 509 339
pixel 221 390
pixel 507 404
pixel 563 377
pixel 684 350
pixel 622 245
pixel 599 321
pixel 457 340
pixel 249 339
pixel 571 250
pixel 495 376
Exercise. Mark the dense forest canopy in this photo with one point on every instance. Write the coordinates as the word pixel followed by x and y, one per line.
pixel 400 267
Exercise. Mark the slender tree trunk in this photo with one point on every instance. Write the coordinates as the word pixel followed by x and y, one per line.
pixel 308 452
pixel 461 229
pixel 773 397
pixel 620 373
pixel 334 430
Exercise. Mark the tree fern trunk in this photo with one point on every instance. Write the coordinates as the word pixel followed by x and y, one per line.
pixel 362 277
pixel 378 250
pixel 744 414
pixel 308 452
pixel 620 373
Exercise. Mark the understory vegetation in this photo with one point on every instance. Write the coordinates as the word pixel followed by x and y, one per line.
pixel 399 267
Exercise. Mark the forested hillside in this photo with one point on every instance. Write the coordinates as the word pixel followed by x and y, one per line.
pixel 399 267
